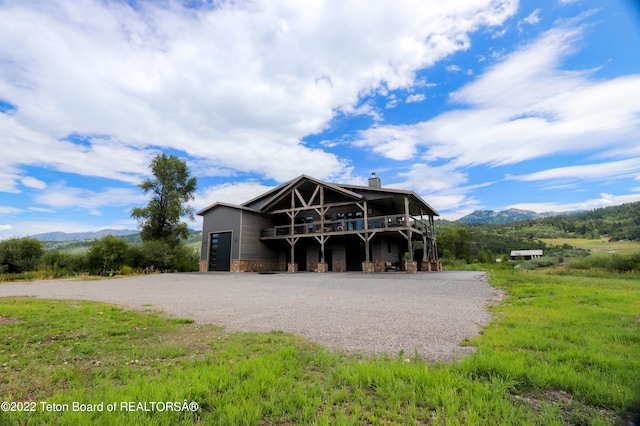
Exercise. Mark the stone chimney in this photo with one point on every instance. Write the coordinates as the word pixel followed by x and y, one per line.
pixel 374 181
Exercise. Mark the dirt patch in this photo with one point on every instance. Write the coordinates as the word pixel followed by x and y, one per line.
pixel 571 410
pixel 7 320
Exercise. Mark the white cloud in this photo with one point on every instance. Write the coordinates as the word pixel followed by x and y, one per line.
pixel 232 85
pixel 424 179
pixel 31 182
pixel 532 19
pixel 453 68
pixel 443 187
pixel 40 210
pixel 616 169
pixel 525 107
pixel 418 97
pixel 9 210
pixel 62 196
pixel 8 178
pixel 394 142
pixel 605 200
pixel 234 193
pixel 5 228
pixel 98 156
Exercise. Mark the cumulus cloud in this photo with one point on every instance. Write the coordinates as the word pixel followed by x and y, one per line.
pixel 238 85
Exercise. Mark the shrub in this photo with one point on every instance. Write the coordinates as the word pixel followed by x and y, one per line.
pixel 610 263
pixel 157 255
pixel 62 264
pixel 161 256
pixel 541 262
pixel 20 255
pixel 107 253
pixel 186 259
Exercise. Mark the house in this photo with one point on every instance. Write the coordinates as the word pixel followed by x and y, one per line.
pixel 526 254
pixel 310 225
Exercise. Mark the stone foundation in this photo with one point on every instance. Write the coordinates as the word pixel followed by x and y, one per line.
pixel 411 267
pixel 256 266
pixel 339 266
pixel 203 266
pixel 431 266
pixel 368 267
pixel 379 265
pixel 292 267
pixel 323 267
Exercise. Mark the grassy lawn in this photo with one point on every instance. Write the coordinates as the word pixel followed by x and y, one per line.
pixel 601 244
pixel 563 349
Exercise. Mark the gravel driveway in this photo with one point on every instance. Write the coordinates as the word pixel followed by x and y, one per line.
pixel 430 313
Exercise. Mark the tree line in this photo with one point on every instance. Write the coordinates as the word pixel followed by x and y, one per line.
pixel 107 255
pixel 162 234
pixel 481 242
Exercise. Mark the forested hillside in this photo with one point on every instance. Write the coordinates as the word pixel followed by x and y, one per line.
pixel 619 222
pixel 486 240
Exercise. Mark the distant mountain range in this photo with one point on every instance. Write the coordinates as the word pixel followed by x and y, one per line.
pixel 64 236
pixel 504 216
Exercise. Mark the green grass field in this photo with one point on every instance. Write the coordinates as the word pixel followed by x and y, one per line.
pixel 562 349
pixel 601 244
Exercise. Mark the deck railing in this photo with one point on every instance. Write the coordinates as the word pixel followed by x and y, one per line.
pixel 346 225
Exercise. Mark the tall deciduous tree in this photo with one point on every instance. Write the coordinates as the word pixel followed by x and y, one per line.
pixel 172 188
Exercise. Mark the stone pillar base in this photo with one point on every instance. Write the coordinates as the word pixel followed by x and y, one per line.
pixel 368 267
pixel 426 266
pixel 411 267
pixel 203 266
pixel 292 267
pixel 323 267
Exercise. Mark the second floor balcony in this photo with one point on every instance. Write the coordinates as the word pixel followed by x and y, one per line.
pixel 348 226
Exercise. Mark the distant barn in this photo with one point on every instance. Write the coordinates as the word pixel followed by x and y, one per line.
pixel 525 254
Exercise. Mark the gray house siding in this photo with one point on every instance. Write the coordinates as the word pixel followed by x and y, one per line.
pixel 252 248
pixel 220 219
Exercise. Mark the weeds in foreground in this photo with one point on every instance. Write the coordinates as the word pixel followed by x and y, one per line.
pixel 562 350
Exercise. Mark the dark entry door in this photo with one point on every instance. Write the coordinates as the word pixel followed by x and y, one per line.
pixel 328 258
pixel 220 252
pixel 301 256
pixel 355 254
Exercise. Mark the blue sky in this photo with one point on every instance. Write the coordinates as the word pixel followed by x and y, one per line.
pixel 479 104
